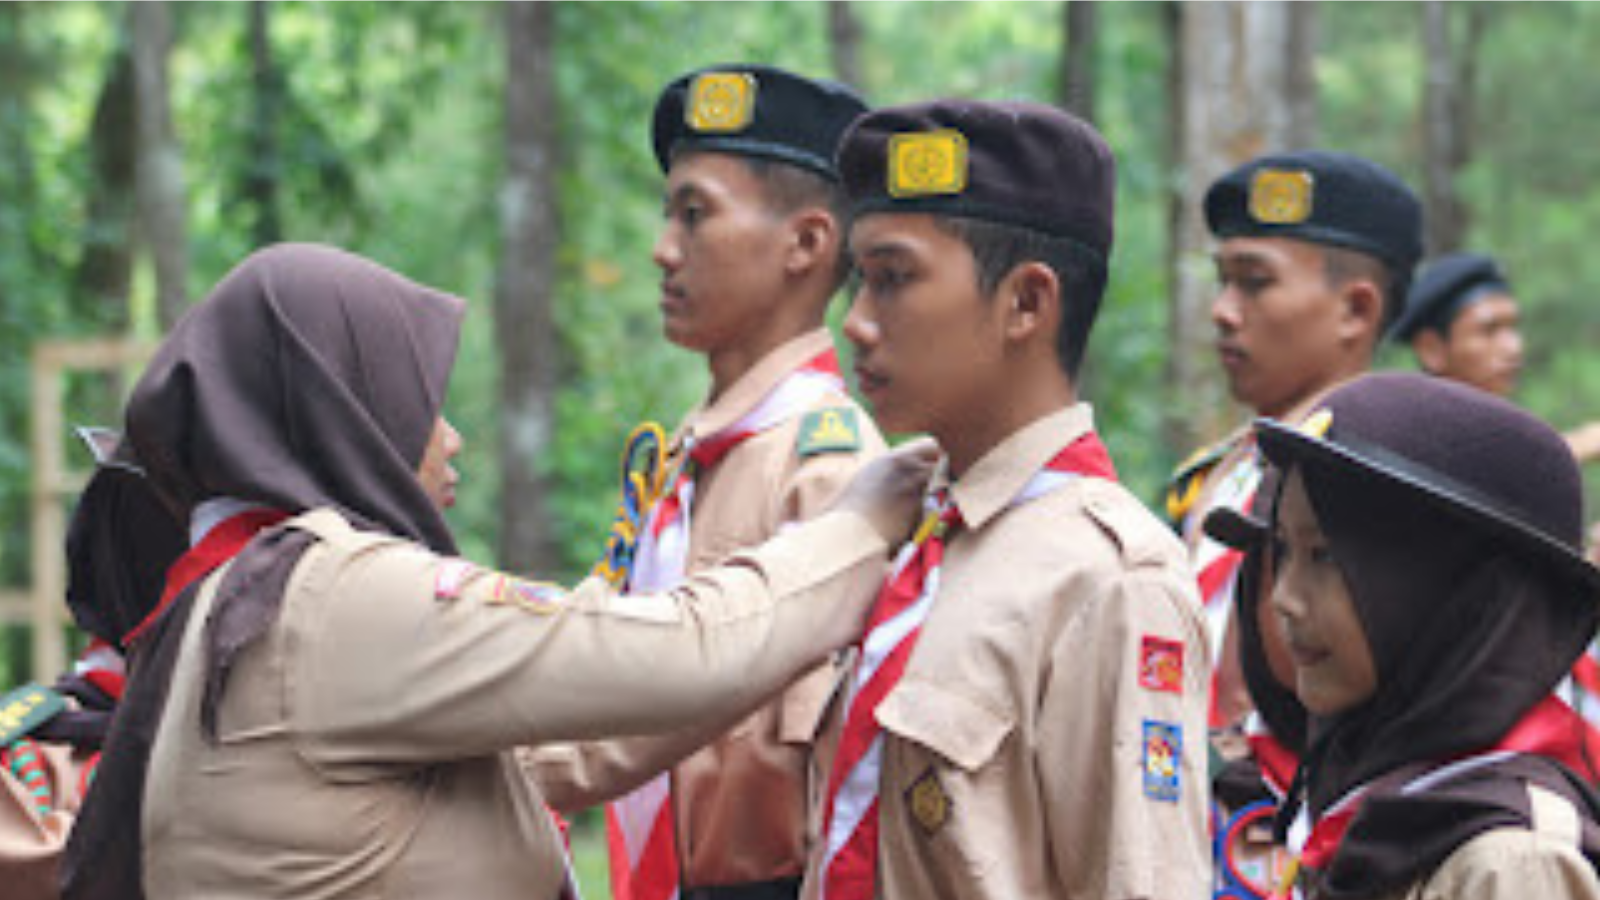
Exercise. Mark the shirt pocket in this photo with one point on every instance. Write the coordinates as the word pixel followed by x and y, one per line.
pixel 947 780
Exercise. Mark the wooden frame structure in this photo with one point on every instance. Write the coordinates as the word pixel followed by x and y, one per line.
pixel 43 605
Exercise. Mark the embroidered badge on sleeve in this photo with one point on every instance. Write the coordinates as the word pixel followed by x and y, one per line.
pixel 1163 760
pixel 828 431
pixel 1161 665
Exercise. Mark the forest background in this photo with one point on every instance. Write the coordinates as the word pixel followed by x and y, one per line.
pixel 500 151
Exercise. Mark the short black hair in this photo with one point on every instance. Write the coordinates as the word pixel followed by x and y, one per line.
pixel 997 249
pixel 1341 265
pixel 790 189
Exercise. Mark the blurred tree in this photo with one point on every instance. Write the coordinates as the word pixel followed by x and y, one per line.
pixel 1079 20
pixel 844 42
pixel 1447 108
pixel 104 276
pixel 264 157
pixel 1241 87
pixel 525 329
pixel 161 193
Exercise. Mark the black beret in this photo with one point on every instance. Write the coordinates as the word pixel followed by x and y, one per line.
pixel 1446 287
pixel 1321 197
pixel 753 110
pixel 1019 164
pixel 1494 466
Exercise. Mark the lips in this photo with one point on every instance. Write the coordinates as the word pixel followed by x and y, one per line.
pixel 1306 655
pixel 868 380
pixel 1231 355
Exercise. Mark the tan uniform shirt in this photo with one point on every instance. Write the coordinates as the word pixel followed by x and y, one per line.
pixel 30 844
pixel 363 746
pixel 1515 863
pixel 1022 751
pixel 740 803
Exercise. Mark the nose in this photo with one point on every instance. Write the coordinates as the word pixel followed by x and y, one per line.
pixel 667 253
pixel 1514 346
pixel 1225 310
pixel 859 327
pixel 1285 600
pixel 452 439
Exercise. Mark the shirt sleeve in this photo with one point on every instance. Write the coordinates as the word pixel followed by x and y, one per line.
pixel 399 656
pixel 1122 759
pixel 1512 864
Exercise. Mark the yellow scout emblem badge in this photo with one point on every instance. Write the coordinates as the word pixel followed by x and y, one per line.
pixel 26 708
pixel 929 803
pixel 721 101
pixel 828 431
pixel 1279 197
pixel 1317 424
pixel 925 163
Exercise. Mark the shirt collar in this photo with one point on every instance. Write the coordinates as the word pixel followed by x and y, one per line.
pixel 743 395
pixel 989 486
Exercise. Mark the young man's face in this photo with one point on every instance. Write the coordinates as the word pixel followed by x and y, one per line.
pixel 1281 326
pixel 1482 346
pixel 721 253
pixel 928 343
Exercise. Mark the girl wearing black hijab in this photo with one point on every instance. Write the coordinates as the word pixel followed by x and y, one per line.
pixel 1427 577
pixel 325 700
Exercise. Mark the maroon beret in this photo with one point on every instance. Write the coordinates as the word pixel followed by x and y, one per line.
pixel 1020 164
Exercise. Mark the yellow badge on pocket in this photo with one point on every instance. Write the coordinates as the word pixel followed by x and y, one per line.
pixel 721 102
pixel 1281 197
pixel 929 803
pixel 828 431
pixel 927 163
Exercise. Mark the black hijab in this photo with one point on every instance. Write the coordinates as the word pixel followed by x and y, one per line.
pixel 308 378
pixel 1455 519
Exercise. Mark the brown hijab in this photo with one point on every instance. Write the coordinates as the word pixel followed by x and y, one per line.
pixel 309 378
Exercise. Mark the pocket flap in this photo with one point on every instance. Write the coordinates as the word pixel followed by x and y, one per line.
pixel 962 730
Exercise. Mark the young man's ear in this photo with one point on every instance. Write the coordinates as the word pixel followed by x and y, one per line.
pixel 815 241
pixel 1432 353
pixel 1032 295
pixel 1363 311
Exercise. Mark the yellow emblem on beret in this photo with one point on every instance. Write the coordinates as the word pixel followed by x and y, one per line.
pixel 1280 197
pixel 927 163
pixel 929 803
pixel 721 101
pixel 1317 424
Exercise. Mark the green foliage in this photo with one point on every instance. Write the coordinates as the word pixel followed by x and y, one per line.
pixel 391 145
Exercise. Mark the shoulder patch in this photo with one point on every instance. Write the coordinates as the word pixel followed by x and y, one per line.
pixel 828 431
pixel 1183 486
pixel 26 708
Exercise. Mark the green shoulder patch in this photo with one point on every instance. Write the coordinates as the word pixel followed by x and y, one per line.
pixel 828 431
pixel 26 708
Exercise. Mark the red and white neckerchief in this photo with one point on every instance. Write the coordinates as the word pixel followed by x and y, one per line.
pixel 849 868
pixel 1550 729
pixel 1276 762
pixel 214 541
pixel 1218 564
pixel 639 832
pixel 1584 689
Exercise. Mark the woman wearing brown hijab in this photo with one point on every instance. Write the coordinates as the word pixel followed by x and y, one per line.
pixel 326 700
pixel 1428 580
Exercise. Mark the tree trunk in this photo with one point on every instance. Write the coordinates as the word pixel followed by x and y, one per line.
pixel 160 189
pixel 1080 19
pixel 1240 87
pixel 104 276
pixel 1447 102
pixel 265 163
pixel 525 329
pixel 844 41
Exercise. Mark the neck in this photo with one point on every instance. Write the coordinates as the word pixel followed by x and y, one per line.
pixel 1005 413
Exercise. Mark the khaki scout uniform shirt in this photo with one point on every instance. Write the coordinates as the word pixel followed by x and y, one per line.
pixel 1543 863
pixel 1015 759
pixel 363 743
pixel 30 844
pixel 740 803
